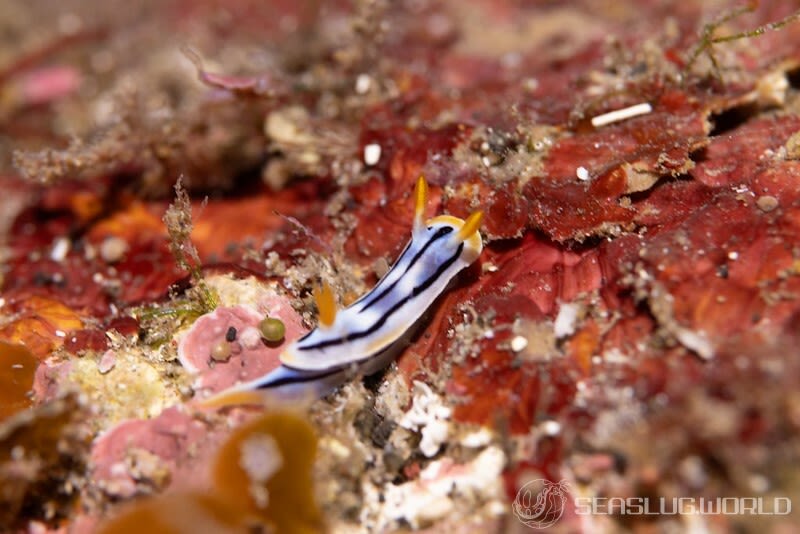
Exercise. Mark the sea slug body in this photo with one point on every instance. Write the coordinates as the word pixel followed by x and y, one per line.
pixel 361 336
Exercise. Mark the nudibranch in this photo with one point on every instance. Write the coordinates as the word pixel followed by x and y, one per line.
pixel 363 337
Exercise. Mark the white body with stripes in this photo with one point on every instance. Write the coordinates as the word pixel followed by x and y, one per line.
pixel 431 259
pixel 364 337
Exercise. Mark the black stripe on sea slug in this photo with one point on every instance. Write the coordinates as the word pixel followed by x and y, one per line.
pixel 299 379
pixel 399 304
pixel 440 233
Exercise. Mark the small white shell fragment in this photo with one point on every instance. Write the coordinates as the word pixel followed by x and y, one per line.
pixel 772 88
pixel 767 203
pixel 477 439
pixel 250 337
pixel 582 173
pixel 260 457
pixel 566 320
pixel 519 343
pixel 430 415
pixel 363 83
pixel 530 84
pixel 372 153
pixel 112 249
pixel 60 249
pixel 433 436
pixel 118 469
pixel 697 342
pixel 107 362
pixel 489 267
pixel 440 486
pixel 288 125
pixel 551 428
pixel 621 114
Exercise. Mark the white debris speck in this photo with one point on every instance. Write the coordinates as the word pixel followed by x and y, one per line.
pixel 335 447
pixel 260 457
pixel 441 488
pixel 60 333
pixel 60 249
pixel 430 415
pixel 112 249
pixel 551 428
pixel 363 83
pixel 767 203
pixel 289 126
pixel 741 188
pixel 582 173
pixel 372 153
pixel 519 343
pixel 107 362
pixel 530 84
pixel 621 114
pixel 476 439
pixel 772 88
pixel 118 469
pixel 489 267
pixel 250 337
pixel 695 341
pixel 733 255
pixel 566 320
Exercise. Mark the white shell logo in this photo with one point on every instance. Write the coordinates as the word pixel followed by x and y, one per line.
pixel 540 503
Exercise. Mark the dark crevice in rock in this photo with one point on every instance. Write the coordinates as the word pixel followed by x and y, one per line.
pixel 730 119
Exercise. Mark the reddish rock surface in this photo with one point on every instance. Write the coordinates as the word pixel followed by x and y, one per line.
pixel 637 295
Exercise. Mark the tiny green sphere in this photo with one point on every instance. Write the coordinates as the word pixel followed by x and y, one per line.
pixel 272 329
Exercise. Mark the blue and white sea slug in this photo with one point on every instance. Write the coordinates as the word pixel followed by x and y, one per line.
pixel 366 336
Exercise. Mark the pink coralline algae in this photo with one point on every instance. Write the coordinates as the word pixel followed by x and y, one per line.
pixel 172 450
pixel 638 285
pixel 250 356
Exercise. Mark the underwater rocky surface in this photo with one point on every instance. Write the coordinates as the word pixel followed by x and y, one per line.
pixel 174 170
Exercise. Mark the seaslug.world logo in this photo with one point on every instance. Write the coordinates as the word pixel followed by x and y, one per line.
pixel 540 503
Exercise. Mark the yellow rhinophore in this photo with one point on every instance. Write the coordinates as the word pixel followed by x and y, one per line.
pixel 471 225
pixel 421 195
pixel 326 304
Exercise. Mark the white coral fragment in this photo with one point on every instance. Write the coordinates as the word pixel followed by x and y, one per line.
pixel 442 486
pixel 430 415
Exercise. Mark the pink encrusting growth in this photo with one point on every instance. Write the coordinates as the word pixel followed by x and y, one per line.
pixel 638 281
pixel 250 355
